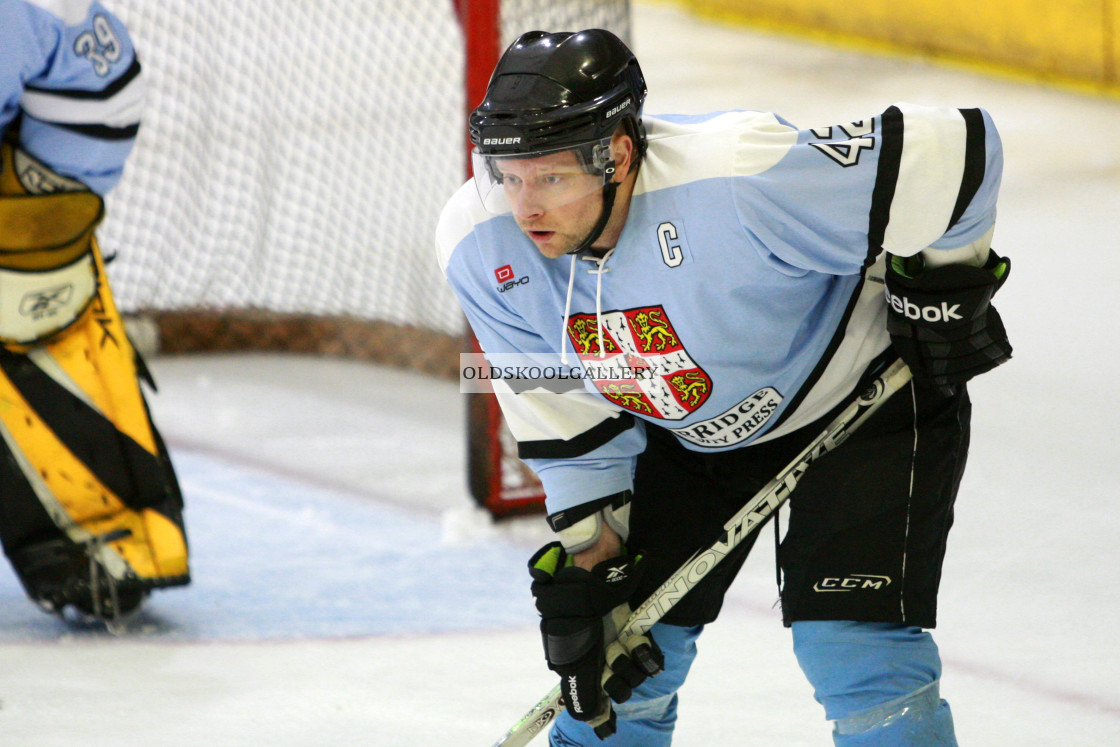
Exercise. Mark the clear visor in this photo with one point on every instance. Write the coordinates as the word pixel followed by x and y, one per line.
pixel 529 183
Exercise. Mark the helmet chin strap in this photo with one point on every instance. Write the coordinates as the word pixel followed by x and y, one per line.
pixel 609 190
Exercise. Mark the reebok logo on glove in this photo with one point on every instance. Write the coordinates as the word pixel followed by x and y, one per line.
pixel 573 694
pixel 941 320
pixel 617 574
pixel 943 313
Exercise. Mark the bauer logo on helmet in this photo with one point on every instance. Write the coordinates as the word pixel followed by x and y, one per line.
pixel 621 107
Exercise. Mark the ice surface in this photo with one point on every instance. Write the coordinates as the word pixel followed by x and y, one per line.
pixel 345 595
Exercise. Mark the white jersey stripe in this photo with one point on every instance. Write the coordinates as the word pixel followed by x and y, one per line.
pixel 120 110
pixel 929 177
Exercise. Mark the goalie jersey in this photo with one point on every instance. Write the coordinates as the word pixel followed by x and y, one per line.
pixel 70 86
pixel 745 296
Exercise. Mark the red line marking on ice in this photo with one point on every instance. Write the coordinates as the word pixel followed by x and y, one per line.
pixel 1069 697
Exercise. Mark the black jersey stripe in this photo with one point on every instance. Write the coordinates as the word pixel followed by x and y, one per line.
pixel 103 132
pixel 111 90
pixel 974 162
pixel 886 179
pixel 882 196
pixel 584 443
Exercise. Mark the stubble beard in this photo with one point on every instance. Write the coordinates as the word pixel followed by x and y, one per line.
pixel 563 242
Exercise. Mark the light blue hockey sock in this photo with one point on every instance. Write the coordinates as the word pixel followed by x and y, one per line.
pixel 877 681
pixel 648 717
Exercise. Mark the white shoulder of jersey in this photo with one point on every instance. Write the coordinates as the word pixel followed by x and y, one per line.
pixel 727 144
pixel 70 12
pixel 460 215
pixel 929 175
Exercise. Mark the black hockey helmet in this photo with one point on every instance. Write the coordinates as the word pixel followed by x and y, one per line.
pixel 557 90
pixel 554 92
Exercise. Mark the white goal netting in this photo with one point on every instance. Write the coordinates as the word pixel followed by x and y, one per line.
pixel 294 155
pixel 289 173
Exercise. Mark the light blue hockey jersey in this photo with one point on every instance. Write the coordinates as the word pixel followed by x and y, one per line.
pixel 745 292
pixel 69 68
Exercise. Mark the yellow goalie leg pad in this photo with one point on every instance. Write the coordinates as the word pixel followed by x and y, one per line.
pixel 151 547
pixel 154 547
pixel 95 362
pixel 96 355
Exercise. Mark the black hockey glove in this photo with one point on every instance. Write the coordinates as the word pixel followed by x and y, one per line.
pixel 581 613
pixel 941 321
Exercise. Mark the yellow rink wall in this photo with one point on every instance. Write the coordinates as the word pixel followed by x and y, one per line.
pixel 1071 41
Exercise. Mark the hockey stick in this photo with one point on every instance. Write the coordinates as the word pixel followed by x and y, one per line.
pixel 749 518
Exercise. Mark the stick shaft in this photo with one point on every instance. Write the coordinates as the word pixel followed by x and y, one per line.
pixel 747 520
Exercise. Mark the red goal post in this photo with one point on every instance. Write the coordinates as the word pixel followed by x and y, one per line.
pixel 291 164
pixel 500 481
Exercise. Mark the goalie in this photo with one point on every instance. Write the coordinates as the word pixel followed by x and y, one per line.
pixel 90 510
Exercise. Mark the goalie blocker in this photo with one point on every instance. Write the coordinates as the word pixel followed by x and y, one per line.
pixel 90 509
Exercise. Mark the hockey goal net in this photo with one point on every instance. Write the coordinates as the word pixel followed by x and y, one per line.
pixel 289 173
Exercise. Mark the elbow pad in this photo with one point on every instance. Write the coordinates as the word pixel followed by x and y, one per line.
pixel 581 526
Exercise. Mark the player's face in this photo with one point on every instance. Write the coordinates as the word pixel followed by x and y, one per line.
pixel 555 202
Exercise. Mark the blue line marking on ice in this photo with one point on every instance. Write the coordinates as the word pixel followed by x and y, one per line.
pixel 275 558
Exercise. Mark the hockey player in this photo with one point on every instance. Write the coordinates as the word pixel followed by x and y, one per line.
pixel 749 275
pixel 90 511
